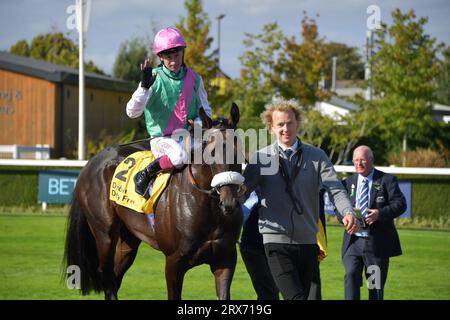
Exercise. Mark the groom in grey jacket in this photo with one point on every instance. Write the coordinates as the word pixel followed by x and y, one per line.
pixel 289 211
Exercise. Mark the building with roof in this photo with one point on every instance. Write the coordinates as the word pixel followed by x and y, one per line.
pixel 221 81
pixel 349 88
pixel 39 104
pixel 441 112
pixel 337 106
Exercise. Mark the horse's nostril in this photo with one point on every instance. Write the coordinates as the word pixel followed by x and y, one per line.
pixel 229 207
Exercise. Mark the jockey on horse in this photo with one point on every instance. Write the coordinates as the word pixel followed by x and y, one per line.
pixel 170 97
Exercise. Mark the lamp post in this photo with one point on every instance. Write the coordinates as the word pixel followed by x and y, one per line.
pixel 219 18
pixel 368 67
pixel 333 76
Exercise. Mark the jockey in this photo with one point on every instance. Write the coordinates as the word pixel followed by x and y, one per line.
pixel 169 96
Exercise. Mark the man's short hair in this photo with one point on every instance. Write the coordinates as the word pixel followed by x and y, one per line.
pixel 368 150
pixel 283 105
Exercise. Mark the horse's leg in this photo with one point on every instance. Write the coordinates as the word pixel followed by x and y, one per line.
pixel 126 250
pixel 223 271
pixel 176 268
pixel 106 247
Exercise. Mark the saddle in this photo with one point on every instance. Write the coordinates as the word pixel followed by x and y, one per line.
pixel 122 185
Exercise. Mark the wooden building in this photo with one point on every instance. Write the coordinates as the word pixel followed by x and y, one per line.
pixel 39 104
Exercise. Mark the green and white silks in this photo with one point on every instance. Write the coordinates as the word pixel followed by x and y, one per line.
pixel 173 101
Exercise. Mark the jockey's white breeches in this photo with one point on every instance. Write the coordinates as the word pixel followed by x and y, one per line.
pixel 174 150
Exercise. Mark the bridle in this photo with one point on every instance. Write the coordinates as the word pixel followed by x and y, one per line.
pixel 214 191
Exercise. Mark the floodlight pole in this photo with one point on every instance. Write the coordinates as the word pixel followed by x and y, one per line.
pixel 219 18
pixel 333 76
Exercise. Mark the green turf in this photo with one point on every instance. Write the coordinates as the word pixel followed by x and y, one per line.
pixel 31 249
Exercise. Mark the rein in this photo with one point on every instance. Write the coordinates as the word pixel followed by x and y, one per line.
pixel 213 193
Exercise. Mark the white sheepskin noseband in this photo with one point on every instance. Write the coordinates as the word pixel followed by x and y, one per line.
pixel 227 177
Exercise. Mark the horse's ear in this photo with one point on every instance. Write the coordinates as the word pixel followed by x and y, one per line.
pixel 206 121
pixel 234 115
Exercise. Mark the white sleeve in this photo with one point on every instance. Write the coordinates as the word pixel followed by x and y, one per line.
pixel 203 99
pixel 136 105
pixel 249 204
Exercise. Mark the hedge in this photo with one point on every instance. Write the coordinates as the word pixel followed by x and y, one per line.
pixel 430 194
pixel 18 186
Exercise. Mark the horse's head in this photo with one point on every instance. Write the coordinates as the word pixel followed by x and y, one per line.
pixel 221 159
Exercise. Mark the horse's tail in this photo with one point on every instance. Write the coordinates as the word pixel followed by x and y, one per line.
pixel 81 251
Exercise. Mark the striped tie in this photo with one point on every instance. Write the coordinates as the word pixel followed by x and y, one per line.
pixel 364 199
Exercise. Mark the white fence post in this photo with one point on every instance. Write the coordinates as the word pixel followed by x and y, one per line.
pixel 42 152
pixel 38 153
pixel 47 152
pixel 15 151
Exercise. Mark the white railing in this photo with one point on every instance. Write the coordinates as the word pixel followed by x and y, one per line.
pixel 40 151
pixel 350 169
pixel 402 170
pixel 43 163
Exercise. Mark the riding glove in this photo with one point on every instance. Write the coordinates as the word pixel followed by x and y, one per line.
pixel 147 78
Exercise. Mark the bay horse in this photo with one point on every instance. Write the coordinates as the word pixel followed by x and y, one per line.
pixel 193 224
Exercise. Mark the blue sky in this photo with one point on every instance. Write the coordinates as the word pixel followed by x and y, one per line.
pixel 112 21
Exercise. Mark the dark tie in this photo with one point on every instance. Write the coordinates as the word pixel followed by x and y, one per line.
pixel 288 153
pixel 364 202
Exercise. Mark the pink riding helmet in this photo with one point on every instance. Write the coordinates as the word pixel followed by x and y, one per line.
pixel 168 38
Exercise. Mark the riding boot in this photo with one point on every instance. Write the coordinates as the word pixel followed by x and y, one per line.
pixel 142 178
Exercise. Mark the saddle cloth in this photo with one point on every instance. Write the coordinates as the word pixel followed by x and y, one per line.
pixel 122 185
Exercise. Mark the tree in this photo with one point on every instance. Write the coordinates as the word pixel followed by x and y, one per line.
pixel 349 64
pixel 300 66
pixel 131 54
pixel 443 92
pixel 255 89
pixel 53 48
pixel 21 48
pixel 195 29
pixel 403 78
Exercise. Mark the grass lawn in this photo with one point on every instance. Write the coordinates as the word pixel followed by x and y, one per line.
pixel 31 249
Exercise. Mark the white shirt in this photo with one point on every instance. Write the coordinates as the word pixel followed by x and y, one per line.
pixel 249 204
pixel 294 147
pixel 139 99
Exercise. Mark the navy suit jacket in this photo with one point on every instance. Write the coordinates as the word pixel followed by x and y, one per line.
pixel 386 196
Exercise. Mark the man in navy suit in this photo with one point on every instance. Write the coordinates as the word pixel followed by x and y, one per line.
pixel 377 195
pixel 252 252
